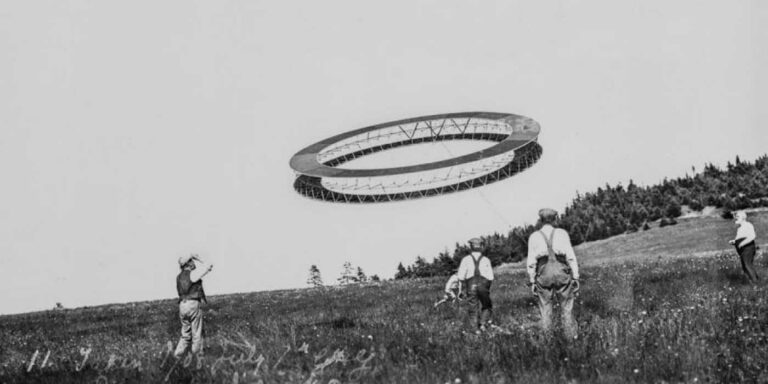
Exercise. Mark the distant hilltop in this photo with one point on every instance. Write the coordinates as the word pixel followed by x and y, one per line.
pixel 616 210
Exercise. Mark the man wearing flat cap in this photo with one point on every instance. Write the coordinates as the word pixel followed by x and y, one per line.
pixel 476 273
pixel 553 271
pixel 189 285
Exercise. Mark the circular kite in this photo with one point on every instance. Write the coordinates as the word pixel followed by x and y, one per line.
pixel 320 177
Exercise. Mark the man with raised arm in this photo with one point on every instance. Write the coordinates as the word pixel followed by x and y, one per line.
pixel 553 271
pixel 745 245
pixel 189 285
pixel 476 272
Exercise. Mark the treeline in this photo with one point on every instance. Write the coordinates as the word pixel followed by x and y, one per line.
pixel 614 210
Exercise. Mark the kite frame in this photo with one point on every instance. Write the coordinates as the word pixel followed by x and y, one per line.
pixel 522 140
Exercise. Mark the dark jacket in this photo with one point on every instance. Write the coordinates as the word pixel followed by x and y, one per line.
pixel 187 289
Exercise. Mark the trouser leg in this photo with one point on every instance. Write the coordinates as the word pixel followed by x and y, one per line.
pixel 747 258
pixel 186 329
pixel 545 307
pixel 196 318
pixel 743 263
pixel 473 301
pixel 569 323
pixel 486 306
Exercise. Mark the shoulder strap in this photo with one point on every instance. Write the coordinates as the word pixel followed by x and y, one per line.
pixel 550 250
pixel 477 264
pixel 552 239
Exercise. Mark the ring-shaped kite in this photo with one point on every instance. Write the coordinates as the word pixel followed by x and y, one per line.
pixel 320 177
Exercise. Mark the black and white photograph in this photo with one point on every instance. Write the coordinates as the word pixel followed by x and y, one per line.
pixel 352 192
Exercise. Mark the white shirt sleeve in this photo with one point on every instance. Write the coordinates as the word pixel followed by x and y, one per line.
pixel 453 283
pixel 486 270
pixel 464 272
pixel 199 272
pixel 534 250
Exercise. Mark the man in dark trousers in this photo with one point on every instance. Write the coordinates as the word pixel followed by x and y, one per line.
pixel 745 245
pixel 189 285
pixel 476 273
pixel 553 271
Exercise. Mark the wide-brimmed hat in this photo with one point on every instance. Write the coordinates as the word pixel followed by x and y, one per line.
pixel 185 259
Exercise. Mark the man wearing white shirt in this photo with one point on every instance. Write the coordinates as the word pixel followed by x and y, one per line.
pixel 745 245
pixel 452 289
pixel 553 271
pixel 189 285
pixel 476 272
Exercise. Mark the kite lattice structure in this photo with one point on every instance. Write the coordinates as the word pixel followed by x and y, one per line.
pixel 320 177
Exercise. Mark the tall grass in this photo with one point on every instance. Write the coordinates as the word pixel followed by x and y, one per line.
pixel 683 320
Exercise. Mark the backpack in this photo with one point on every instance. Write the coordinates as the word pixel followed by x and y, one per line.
pixel 553 273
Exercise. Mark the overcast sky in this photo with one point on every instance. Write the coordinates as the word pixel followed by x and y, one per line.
pixel 134 132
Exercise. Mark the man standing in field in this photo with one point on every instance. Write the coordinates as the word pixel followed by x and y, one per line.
pixel 745 245
pixel 189 285
pixel 475 271
pixel 452 290
pixel 553 271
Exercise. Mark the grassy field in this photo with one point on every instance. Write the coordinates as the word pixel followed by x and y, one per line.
pixel 689 318
pixel 691 237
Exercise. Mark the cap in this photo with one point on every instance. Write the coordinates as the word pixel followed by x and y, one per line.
pixel 475 241
pixel 547 213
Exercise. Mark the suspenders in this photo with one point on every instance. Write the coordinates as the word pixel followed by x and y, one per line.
pixel 477 265
pixel 550 250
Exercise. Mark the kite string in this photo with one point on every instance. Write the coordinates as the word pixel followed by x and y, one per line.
pixel 493 208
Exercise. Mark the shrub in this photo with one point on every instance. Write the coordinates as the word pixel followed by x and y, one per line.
pixel 696 205
pixel 674 209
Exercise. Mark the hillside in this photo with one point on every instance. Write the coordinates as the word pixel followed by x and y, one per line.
pixel 617 210
pixel 692 236
pixel 663 317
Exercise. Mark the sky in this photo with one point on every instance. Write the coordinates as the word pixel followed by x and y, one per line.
pixel 132 133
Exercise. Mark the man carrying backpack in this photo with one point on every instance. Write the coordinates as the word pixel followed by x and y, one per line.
pixel 553 271
pixel 476 273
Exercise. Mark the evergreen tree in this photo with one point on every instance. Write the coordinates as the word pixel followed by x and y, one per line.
pixel 314 279
pixel 361 277
pixel 347 275
pixel 402 273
